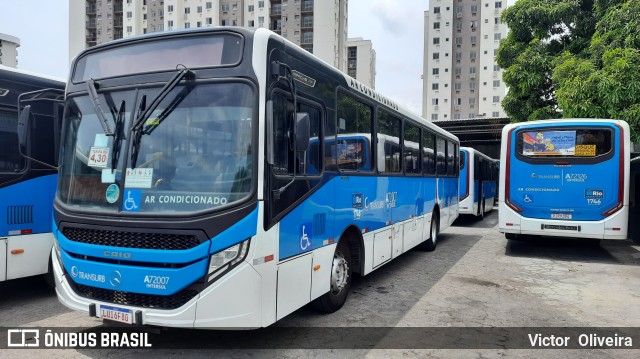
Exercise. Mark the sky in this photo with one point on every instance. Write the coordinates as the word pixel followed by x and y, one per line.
pixel 395 28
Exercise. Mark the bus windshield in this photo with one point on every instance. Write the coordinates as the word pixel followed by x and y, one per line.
pixel 194 154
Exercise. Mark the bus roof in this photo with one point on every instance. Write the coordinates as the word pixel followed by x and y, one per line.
pixel 562 121
pixel 22 74
pixel 14 82
pixel 474 151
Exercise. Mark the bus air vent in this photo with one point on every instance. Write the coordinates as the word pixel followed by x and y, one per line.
pixel 19 214
pixel 167 241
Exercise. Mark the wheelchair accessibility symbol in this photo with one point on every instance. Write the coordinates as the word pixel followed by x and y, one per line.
pixel 305 242
pixel 131 200
pixel 527 199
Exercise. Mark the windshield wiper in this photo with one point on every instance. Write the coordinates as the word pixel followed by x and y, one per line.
pixel 93 94
pixel 144 112
pixel 117 137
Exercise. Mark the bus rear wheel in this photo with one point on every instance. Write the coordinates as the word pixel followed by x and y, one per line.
pixel 511 236
pixel 340 281
pixel 430 244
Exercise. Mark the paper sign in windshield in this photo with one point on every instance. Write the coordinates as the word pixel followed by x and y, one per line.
pixel 586 150
pixel 138 178
pixel 549 143
pixel 98 157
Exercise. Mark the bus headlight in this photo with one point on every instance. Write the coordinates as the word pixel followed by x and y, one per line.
pixel 227 258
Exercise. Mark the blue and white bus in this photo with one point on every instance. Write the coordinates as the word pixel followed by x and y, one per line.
pixel 27 173
pixel 567 178
pixel 235 180
pixel 478 178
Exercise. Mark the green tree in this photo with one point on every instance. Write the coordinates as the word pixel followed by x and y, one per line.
pixel 539 30
pixel 572 58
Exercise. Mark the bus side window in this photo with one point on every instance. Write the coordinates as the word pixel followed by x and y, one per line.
pixel 428 153
pixel 311 163
pixel 411 148
pixel 285 160
pixel 450 158
pixel 353 145
pixel 441 164
pixel 10 159
pixel 390 127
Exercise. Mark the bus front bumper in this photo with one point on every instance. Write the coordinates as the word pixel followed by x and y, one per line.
pixel 233 301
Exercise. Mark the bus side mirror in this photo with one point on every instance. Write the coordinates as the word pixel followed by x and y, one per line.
pixel 302 131
pixel 23 128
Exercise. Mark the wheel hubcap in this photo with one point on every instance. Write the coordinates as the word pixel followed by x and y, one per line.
pixel 434 232
pixel 339 273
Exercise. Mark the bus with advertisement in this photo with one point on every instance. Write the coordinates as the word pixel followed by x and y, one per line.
pixel 232 187
pixel 478 182
pixel 567 178
pixel 28 173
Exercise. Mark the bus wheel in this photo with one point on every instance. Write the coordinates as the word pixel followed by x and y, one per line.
pixel 49 277
pixel 511 236
pixel 340 281
pixel 430 244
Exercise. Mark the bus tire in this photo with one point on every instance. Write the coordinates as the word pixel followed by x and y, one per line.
pixel 340 281
pixel 49 277
pixel 511 236
pixel 430 244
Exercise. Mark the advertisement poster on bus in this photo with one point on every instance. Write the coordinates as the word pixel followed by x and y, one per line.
pixel 545 143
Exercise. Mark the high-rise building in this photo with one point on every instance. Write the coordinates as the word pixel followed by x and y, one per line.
pixel 361 61
pixel 9 50
pixel 460 76
pixel 318 26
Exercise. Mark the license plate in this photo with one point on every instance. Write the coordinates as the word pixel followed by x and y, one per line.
pixel 116 314
pixel 561 215
pixel 564 228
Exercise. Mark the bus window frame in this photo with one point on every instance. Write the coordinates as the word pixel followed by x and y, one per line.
pixel 278 91
pixel 373 168
pixel 400 119
pixel 569 160
pixel 420 154
pixel 26 164
pixel 434 172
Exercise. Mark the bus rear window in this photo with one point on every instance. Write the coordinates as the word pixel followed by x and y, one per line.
pixel 567 143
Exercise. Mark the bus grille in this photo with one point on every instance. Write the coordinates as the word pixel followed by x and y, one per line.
pixel 135 299
pixel 131 239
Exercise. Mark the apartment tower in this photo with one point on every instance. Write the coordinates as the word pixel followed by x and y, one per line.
pixel 9 50
pixel 461 79
pixel 361 61
pixel 318 26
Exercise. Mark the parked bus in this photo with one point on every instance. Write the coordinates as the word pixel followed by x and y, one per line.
pixel 234 180
pixel 567 178
pixel 27 179
pixel 478 177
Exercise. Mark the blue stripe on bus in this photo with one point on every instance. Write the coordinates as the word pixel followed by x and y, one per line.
pixel 159 281
pixel 368 202
pixel 27 205
pixel 137 254
pixel 238 232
